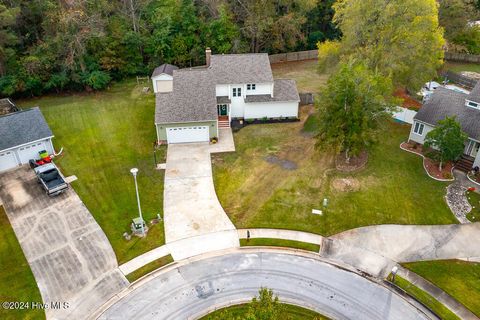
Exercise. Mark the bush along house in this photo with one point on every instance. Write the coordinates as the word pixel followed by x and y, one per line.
pixel 192 104
pixel 449 103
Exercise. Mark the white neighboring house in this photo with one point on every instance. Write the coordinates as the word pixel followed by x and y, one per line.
pixel 449 103
pixel 230 87
pixel 162 78
pixel 23 135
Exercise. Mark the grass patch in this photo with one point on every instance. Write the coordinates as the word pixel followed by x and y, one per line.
pixel 393 188
pixel 425 298
pixel 104 135
pixel 303 72
pixel 279 243
pixel 291 313
pixel 474 199
pixel 460 279
pixel 461 66
pixel 16 278
pixel 149 267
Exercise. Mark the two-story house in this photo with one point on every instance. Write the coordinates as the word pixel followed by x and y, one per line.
pixel 198 101
pixel 449 103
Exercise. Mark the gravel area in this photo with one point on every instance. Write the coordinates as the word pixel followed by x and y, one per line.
pixel 458 202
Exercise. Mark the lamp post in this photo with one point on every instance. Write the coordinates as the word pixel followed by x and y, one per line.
pixel 134 172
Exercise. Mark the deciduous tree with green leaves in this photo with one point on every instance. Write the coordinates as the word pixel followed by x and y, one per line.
pixel 354 103
pixel 448 139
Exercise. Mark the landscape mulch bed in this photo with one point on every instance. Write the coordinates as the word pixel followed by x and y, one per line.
pixel 430 165
pixel 408 101
pixel 354 164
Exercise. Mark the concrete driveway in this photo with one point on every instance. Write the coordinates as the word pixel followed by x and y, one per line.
pixel 69 254
pixel 190 290
pixel 195 222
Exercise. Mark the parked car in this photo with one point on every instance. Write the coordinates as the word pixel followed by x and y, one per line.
pixel 51 179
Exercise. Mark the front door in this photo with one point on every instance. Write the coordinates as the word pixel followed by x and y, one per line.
pixel 472 148
pixel 222 110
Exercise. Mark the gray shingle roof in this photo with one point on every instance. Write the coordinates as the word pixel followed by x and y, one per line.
pixel 475 93
pixel 447 103
pixel 192 99
pixel 23 127
pixel 164 68
pixel 241 68
pixel 223 99
pixel 283 90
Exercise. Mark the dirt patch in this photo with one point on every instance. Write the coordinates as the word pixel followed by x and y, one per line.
pixel 408 101
pixel 348 184
pixel 285 164
pixel 354 164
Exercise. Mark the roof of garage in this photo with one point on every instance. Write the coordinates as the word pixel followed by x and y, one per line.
pixel 22 127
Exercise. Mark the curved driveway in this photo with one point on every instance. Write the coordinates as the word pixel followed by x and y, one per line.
pixel 190 290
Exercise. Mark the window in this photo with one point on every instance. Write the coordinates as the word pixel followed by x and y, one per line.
pixel 234 92
pixel 237 92
pixel 473 105
pixel 418 128
pixel 251 86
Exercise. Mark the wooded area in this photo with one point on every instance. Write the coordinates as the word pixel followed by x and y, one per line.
pixel 54 45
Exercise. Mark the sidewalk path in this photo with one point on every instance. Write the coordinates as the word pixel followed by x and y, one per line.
pixel 281 234
pixel 192 212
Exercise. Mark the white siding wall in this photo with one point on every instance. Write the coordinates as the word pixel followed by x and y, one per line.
pixel 222 90
pixel 419 138
pixel 476 163
pixel 271 110
pixel 260 88
pixel 162 77
pixel 237 106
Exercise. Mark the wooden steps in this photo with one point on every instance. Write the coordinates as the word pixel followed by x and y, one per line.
pixel 465 163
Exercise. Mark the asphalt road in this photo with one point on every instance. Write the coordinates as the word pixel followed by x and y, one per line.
pixel 189 291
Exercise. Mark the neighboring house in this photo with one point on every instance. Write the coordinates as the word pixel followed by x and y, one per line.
pixel 230 87
pixel 449 103
pixel 162 78
pixel 7 106
pixel 23 134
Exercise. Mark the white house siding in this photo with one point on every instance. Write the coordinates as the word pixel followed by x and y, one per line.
pixel 260 110
pixel 222 90
pixel 237 106
pixel 476 163
pixel 419 138
pixel 260 88
pixel 162 83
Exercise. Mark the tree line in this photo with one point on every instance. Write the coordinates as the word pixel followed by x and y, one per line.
pixel 56 45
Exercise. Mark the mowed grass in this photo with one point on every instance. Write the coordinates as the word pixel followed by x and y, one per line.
pixel 149 267
pixel 269 242
pixel 425 298
pixel 393 188
pixel 474 199
pixel 461 66
pixel 291 312
pixel 17 283
pixel 104 135
pixel 460 279
pixel 304 72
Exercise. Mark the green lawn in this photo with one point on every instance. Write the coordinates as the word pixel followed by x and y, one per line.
pixel 425 298
pixel 459 279
pixel 16 279
pixel 304 72
pixel 393 188
pixel 104 135
pixel 474 199
pixel 461 66
pixel 280 243
pixel 291 313
pixel 149 267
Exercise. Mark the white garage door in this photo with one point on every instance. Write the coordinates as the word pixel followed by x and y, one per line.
pixel 188 134
pixel 7 160
pixel 28 152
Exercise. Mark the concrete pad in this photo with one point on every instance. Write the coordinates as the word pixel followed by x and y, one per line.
pixel 191 206
pixel 70 179
pixel 225 141
pixel 161 166
pixel 69 254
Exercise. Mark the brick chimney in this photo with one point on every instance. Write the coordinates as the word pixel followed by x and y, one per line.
pixel 208 56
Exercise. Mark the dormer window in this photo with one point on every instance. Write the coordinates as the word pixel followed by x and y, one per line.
pixel 251 86
pixel 472 104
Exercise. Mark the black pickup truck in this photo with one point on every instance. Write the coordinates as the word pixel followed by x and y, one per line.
pixel 51 179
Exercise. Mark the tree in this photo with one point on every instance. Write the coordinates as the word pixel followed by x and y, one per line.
pixel 448 139
pixel 7 37
pixel 351 108
pixel 399 38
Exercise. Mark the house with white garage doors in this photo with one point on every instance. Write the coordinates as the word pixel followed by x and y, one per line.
pixel 22 135
pixel 198 101
pixel 465 107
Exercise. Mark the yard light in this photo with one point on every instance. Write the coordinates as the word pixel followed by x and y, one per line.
pixel 394 273
pixel 134 172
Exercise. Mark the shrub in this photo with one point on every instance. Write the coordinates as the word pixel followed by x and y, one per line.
pixel 97 80
pixel 328 54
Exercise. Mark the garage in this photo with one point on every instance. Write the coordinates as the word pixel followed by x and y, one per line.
pixel 7 160
pixel 188 134
pixel 24 134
